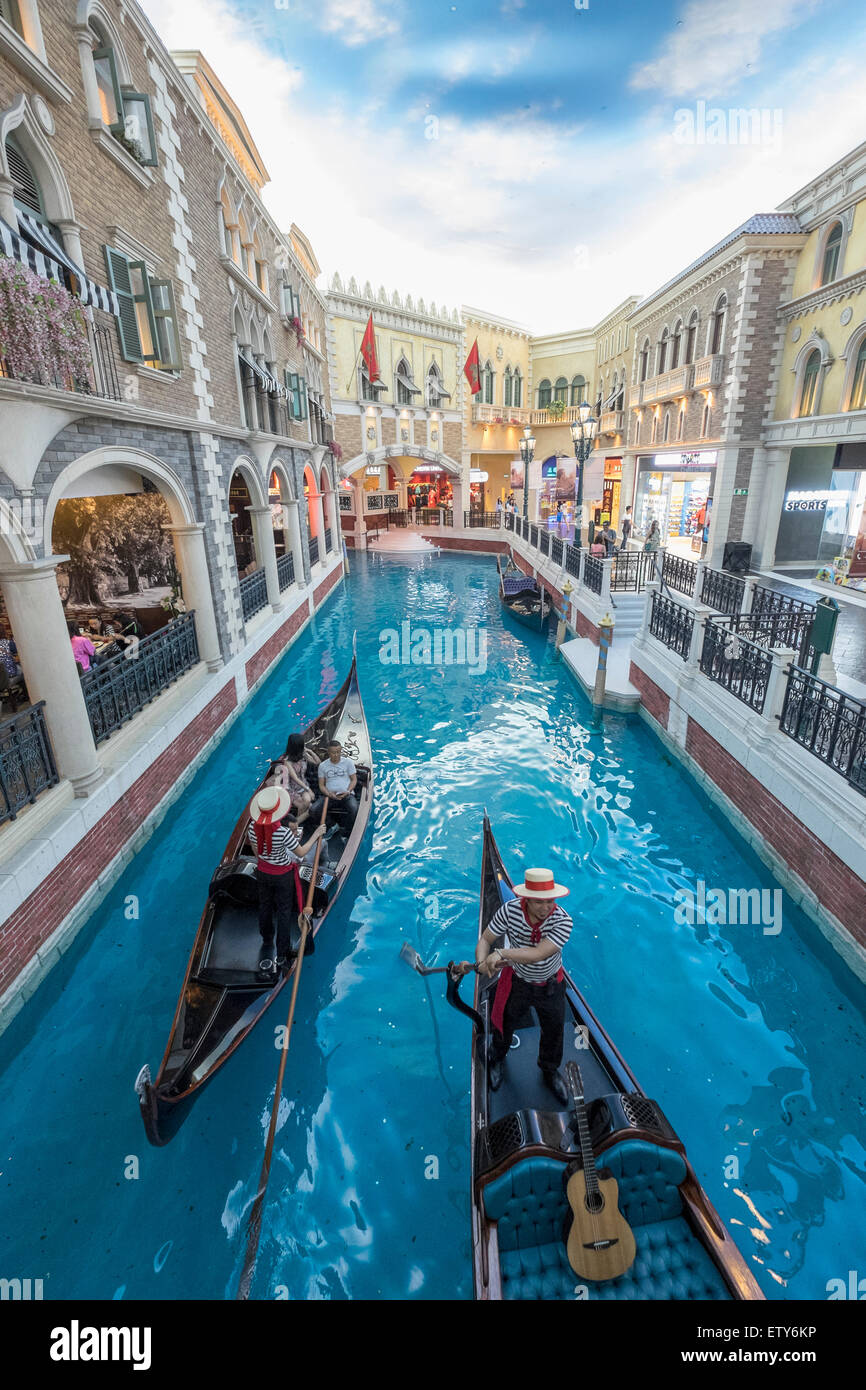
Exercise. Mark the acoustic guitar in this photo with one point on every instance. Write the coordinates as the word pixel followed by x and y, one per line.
pixel 600 1243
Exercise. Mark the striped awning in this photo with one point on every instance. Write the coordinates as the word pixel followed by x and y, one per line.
pixel 37 242
pixel 610 403
pixel 269 382
pixel 405 380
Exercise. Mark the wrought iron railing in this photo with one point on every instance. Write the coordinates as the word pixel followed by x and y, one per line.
pixel 100 379
pixel 722 591
pixel 556 550
pixel 736 663
pixel 533 534
pixel 510 519
pixel 328 539
pixel 115 692
pixel 27 764
pixel 286 570
pixel 313 550
pixel 794 618
pixel 829 723
pixel 593 571
pixel 254 593
pixel 572 560
pixel 679 573
pixel 544 542
pixel 791 630
pixel 672 624
pixel 632 569
pixel 474 518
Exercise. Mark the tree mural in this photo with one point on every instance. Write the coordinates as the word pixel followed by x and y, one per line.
pixel 116 546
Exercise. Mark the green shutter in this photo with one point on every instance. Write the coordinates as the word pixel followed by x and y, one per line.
pixel 142 101
pixel 167 335
pixel 107 54
pixel 145 299
pixel 120 281
pixel 303 399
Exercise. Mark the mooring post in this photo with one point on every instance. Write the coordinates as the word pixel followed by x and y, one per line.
pixel 564 613
pixel 605 637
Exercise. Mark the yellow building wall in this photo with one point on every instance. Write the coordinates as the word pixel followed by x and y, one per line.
pixel 419 349
pixel 569 365
pixel 808 269
pixel 503 440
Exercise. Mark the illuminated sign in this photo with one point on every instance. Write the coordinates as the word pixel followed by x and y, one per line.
pixel 477 475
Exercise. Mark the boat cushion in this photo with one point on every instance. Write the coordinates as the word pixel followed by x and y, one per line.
pixel 529 1204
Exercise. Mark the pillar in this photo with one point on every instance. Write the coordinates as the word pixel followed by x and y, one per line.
pixel 358 503
pixel 266 550
pixel 292 525
pixel 331 519
pixel 50 670
pixel 86 42
pixel 777 684
pixel 320 525
pixel 191 556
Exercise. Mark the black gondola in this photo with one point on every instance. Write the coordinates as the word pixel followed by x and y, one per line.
pixel 522 597
pixel 523 1146
pixel 223 996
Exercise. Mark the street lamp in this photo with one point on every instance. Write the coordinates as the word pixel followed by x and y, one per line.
pixel 583 433
pixel 527 453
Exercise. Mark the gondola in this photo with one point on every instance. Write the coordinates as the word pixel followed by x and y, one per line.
pixel 223 997
pixel 524 1147
pixel 522 597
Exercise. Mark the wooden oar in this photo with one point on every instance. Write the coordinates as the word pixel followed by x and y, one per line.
pixel 255 1223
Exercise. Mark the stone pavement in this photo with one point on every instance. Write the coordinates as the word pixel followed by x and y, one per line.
pixel 849 650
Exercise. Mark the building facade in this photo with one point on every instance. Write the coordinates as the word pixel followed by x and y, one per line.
pixel 606 477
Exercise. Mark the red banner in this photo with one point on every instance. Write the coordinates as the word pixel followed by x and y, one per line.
pixel 368 351
pixel 472 369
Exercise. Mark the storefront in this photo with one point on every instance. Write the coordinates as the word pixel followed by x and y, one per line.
pixel 610 497
pixel 675 490
pixel 842 509
pixel 477 479
pixel 429 486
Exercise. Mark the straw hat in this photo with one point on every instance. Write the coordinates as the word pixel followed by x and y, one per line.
pixel 539 883
pixel 273 802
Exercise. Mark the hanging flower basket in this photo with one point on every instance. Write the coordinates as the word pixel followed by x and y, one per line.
pixel 336 449
pixel 43 330
pixel 299 329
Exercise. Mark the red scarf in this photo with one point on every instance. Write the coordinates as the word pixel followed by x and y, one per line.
pixel 506 979
pixel 264 827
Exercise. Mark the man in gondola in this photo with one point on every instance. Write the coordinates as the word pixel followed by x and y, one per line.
pixel 338 778
pixel 532 973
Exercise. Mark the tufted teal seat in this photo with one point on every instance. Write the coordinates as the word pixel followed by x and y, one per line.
pixel 529 1205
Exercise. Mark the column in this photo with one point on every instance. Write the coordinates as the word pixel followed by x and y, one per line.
pixel 604 596
pixel 86 40
pixel 358 503
pixel 331 522
pixel 266 551
pixel 50 670
pixel 191 557
pixel 700 566
pixel 701 612
pixel 763 515
pixel 320 525
pixel 777 684
pixel 292 524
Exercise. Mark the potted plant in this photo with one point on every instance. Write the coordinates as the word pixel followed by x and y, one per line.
pixel 299 329
pixel 556 408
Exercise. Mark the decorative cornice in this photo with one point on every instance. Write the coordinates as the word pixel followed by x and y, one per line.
pixel 845 288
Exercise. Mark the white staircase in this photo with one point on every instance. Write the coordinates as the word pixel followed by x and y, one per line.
pixel 628 615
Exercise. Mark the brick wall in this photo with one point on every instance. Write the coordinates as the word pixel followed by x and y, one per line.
pixel 452 439
pixel 653 698
pixel 587 629
pixel 33 923
pixel 323 589
pixel 258 664
pixel 836 885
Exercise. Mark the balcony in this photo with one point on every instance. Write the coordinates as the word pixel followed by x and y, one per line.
pixel 522 415
pixel 611 422
pixel 665 387
pixel 98 378
pixel 709 370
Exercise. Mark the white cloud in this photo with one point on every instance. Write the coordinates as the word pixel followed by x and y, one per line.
pixel 716 45
pixel 356 21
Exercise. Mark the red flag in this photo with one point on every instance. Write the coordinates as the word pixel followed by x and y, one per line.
pixel 368 351
pixel 472 369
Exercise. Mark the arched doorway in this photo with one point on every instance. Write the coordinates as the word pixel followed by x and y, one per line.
pixel 326 492
pixel 243 535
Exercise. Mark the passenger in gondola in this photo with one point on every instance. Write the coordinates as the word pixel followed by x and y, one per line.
pixel 337 780
pixel 295 763
pixel 278 854
pixel 532 973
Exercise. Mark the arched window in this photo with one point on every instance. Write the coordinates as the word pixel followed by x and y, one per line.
pixel 662 352
pixel 487 381
pixel 507 387
pixel 637 429
pixel 681 422
pixel 654 432
pixel 832 247
pixel 578 390
pixel 26 190
pixel 706 421
pixel 717 327
pixel 406 390
pixel 619 404
pixel 435 388
pixel 667 430
pixel 125 113
pixel 231 236
pixel 858 385
pixel 517 388
pixel 261 269
pixel 676 343
pixel 560 390
pixel 644 359
pixel 691 337
pixel 809 389
pixel 543 394
pixel 248 259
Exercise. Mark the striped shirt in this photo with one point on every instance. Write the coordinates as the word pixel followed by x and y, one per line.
pixel 283 843
pixel 557 928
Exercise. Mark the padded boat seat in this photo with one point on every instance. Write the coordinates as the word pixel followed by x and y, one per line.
pixel 530 1207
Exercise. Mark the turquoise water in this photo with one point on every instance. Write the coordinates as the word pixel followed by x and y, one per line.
pixel 752 1044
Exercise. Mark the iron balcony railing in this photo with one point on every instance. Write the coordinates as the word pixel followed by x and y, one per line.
pixel 736 663
pixel 722 591
pixel 672 624
pixel 572 560
pixel 766 602
pixel 254 593
pixel 631 569
pixel 533 535
pixel 593 571
pixel 679 573
pixel 473 518
pixel 510 519
pixel 116 691
pixel 556 545
pixel 27 764
pixel 313 550
pixel 544 542
pixel 328 539
pixel 792 630
pixel 829 723
pixel 286 570
pixel 100 379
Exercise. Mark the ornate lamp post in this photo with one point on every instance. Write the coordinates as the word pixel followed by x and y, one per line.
pixel 583 433
pixel 527 453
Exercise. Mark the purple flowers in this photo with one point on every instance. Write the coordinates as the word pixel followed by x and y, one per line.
pixel 43 329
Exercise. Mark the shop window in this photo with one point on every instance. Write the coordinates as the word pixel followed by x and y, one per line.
pixel 560 390
pixel 147 324
pixel 517 390
pixel 832 250
pixel 543 394
pixel 809 389
pixel 578 390
pixel 717 328
pixel 858 385
pixel 691 338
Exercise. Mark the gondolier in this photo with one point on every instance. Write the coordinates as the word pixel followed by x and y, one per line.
pixel 532 972
pixel 279 852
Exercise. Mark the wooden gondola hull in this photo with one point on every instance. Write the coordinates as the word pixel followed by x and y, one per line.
pixel 523 1142
pixel 531 607
pixel 223 997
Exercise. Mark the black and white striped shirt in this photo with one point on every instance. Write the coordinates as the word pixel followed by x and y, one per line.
pixel 283 843
pixel 557 928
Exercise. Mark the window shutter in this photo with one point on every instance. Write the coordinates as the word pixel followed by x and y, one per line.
pixel 165 314
pixel 120 280
pixel 106 56
pixel 25 189
pixel 138 125
pixel 303 399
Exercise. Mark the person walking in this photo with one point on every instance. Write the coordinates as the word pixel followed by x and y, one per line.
pixel 626 528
